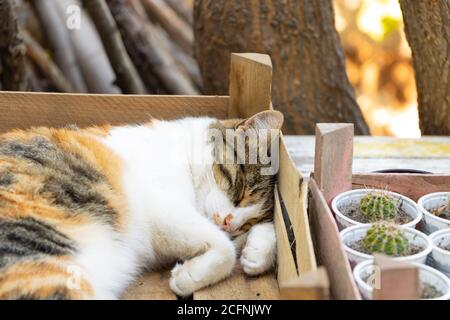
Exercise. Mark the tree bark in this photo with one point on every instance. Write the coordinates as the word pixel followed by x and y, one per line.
pixel 427 28
pixel 12 50
pixel 310 84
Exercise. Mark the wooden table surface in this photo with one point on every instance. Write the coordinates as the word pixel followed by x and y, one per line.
pixel 377 153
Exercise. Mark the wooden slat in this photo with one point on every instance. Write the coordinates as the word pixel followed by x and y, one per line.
pixel 241 287
pixel 294 194
pixel 313 285
pixel 333 158
pixel 151 286
pixel 329 248
pixel 25 109
pixel 398 280
pixel 286 269
pixel 404 183
pixel 250 84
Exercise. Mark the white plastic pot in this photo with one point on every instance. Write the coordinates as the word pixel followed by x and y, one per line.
pixel 431 201
pixel 427 275
pixel 354 196
pixel 440 257
pixel 356 233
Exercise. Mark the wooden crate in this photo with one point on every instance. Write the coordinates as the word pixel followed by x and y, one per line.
pixel 297 275
pixel 333 175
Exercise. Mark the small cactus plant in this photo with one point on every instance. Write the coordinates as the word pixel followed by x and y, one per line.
pixel 386 237
pixel 378 206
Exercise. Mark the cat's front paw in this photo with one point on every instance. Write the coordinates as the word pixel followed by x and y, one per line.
pixel 256 259
pixel 181 281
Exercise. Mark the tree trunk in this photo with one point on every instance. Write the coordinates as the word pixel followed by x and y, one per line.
pixel 310 84
pixel 12 50
pixel 427 28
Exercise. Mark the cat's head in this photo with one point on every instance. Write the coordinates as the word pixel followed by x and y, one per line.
pixel 242 195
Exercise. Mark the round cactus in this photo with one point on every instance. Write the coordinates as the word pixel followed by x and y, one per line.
pixel 386 237
pixel 377 206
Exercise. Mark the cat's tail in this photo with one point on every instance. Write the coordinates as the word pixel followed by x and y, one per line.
pixel 49 278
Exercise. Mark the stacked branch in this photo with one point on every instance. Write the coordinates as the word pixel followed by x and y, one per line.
pixel 98 46
pixel 149 53
pixel 12 50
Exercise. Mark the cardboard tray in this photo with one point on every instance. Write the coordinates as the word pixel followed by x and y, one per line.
pixel 297 275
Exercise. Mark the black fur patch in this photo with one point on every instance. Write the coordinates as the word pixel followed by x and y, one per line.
pixel 6 179
pixel 77 195
pixel 29 237
pixel 59 294
pixel 70 180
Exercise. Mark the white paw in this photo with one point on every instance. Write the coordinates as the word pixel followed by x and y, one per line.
pixel 256 260
pixel 181 280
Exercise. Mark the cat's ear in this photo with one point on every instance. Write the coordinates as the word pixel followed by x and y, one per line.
pixel 270 119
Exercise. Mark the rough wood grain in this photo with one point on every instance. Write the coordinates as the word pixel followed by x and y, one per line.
pixel 413 186
pixel 42 60
pixel 150 56
pixel 151 286
pixel 313 285
pixel 427 28
pixel 398 280
pixel 12 50
pixel 294 191
pixel 176 27
pixel 127 76
pixel 286 268
pixel 242 287
pixel 250 84
pixel 333 158
pixel 23 110
pixel 329 248
pixel 58 36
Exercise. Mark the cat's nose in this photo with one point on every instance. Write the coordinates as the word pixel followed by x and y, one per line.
pixel 224 223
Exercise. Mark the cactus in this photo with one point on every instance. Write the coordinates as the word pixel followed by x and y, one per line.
pixel 377 206
pixel 386 237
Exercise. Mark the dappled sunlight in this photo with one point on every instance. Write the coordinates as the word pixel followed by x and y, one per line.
pixel 379 65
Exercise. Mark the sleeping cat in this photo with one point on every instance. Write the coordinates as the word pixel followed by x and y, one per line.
pixel 83 211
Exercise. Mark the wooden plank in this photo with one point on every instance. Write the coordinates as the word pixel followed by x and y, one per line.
pixel 250 84
pixel 333 158
pixel 313 285
pixel 241 287
pixel 151 286
pixel 286 269
pixel 294 192
pixel 398 280
pixel 25 109
pixel 329 248
pixel 404 183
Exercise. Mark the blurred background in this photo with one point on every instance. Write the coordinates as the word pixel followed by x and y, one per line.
pixel 379 64
pixel 71 48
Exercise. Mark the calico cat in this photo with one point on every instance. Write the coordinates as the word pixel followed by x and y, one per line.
pixel 83 211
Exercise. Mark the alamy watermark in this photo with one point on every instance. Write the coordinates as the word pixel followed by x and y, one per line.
pixel 73 21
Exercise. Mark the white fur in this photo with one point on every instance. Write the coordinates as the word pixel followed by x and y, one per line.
pixel 171 196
